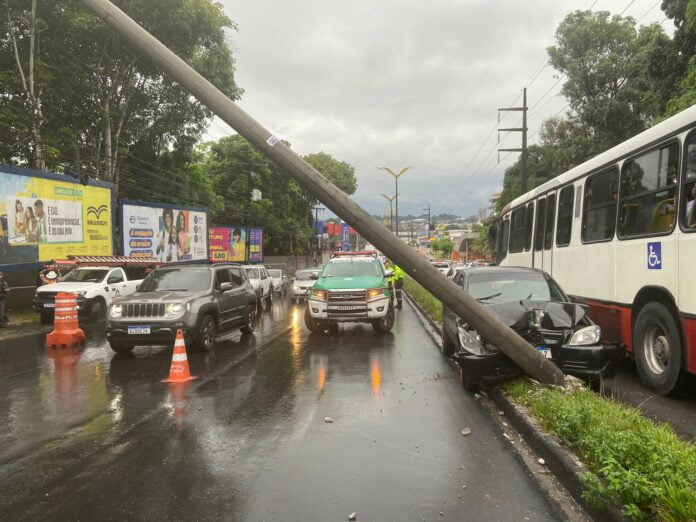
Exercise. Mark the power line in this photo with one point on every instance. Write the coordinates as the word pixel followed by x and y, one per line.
pixel 648 11
pixel 626 8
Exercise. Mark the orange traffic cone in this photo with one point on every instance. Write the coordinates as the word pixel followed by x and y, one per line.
pixel 179 370
pixel 66 330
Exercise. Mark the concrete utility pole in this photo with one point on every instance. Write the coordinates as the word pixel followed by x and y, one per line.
pixel 429 224
pixel 523 130
pixel 391 210
pixel 470 310
pixel 396 176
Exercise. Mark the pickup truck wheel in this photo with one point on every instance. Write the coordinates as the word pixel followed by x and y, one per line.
pixel 312 324
pixel 205 338
pixel 386 323
pixel 269 298
pixel 121 347
pixel 250 324
pixel 97 310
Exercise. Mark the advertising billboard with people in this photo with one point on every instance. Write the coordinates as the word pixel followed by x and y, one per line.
pixel 46 216
pixel 168 232
pixel 227 243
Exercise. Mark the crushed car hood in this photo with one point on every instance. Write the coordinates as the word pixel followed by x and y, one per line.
pixel 555 315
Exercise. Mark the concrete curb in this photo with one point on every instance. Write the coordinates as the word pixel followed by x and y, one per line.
pixel 560 461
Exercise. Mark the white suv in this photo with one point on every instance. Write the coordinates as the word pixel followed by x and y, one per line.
pixel 261 282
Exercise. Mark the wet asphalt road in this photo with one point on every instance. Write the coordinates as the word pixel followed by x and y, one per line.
pixel 88 435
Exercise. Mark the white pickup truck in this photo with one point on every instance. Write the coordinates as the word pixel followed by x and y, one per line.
pixel 95 287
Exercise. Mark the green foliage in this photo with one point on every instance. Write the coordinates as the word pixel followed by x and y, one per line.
pixel 430 304
pixel 340 173
pixel 643 467
pixel 443 246
pixel 481 243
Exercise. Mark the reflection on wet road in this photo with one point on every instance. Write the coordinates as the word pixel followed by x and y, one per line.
pixel 86 434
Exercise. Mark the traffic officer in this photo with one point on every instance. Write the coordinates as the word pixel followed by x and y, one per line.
pixel 396 281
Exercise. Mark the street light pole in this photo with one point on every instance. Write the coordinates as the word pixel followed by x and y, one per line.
pixel 396 176
pixel 391 210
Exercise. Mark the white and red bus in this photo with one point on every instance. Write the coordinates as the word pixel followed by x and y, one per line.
pixel 618 232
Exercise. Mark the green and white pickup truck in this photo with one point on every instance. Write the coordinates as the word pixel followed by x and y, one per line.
pixel 351 288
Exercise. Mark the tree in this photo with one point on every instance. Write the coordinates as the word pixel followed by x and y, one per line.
pixel 339 173
pixel 443 246
pixel 106 99
pixel 617 78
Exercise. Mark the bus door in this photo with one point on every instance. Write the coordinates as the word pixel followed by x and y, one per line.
pixel 549 223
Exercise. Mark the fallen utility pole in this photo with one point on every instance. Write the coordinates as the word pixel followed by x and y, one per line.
pixel 451 295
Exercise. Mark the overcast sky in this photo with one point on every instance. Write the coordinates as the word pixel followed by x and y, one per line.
pixel 405 83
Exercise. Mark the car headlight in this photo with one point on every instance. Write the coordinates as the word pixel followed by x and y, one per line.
pixel 319 294
pixel 374 293
pixel 81 292
pixel 295 287
pixel 116 310
pixel 254 285
pixel 173 309
pixel 584 336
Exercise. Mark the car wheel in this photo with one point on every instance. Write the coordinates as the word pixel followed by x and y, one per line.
pixel 447 345
pixel 205 338
pixel 386 323
pixel 97 310
pixel 46 318
pixel 269 298
pixel 250 324
pixel 121 347
pixel 657 349
pixel 312 324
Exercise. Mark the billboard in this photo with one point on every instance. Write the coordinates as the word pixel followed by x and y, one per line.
pixel 227 243
pixel 255 245
pixel 168 232
pixel 47 216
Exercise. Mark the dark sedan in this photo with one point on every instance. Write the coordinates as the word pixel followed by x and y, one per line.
pixel 530 302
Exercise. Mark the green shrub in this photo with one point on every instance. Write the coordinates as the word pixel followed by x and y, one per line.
pixel 424 298
pixel 634 463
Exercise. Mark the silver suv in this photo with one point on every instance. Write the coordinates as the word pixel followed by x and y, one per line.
pixel 199 299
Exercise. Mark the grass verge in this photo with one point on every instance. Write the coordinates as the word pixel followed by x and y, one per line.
pixel 24 316
pixel 634 463
pixel 431 305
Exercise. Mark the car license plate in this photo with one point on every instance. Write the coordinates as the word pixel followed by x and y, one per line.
pixel 138 330
pixel 347 308
pixel 49 305
pixel 545 351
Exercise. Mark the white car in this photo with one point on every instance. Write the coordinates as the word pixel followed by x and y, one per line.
pixel 95 286
pixel 261 282
pixel 301 283
pixel 279 280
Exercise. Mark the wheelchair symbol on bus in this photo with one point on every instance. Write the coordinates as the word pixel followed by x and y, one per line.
pixel 654 256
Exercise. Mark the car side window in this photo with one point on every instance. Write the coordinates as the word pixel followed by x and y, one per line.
pixel 236 276
pixel 458 279
pixel 221 276
pixel 264 274
pixel 115 276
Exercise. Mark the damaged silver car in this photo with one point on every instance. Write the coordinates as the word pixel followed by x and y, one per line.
pixel 531 303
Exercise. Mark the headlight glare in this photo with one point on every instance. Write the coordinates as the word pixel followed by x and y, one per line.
pixel 174 309
pixel 116 310
pixel 374 293
pixel 586 336
pixel 319 294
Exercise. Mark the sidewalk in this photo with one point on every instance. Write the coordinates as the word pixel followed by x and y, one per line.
pixel 23 324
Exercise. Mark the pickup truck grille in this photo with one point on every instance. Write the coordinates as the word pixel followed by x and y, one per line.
pixel 347 304
pixel 144 310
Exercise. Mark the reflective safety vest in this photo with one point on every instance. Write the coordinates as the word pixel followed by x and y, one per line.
pixel 398 274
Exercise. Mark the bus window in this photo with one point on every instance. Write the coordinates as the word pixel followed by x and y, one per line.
pixel 502 240
pixel 599 209
pixel 528 227
pixel 550 215
pixel 648 192
pixel 539 224
pixel 688 216
pixel 565 216
pixel 517 227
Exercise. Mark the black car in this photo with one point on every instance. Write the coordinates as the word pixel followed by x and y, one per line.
pixel 201 300
pixel 530 302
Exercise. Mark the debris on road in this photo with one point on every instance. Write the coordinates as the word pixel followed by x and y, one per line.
pixel 466 431
pixel 541 461
pixel 328 420
pixel 353 516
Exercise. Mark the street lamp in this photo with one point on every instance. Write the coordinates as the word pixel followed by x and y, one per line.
pixel 391 210
pixel 396 176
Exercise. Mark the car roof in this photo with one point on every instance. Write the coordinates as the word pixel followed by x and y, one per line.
pixel 500 270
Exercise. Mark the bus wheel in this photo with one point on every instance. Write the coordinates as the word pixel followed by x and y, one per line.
pixel 658 349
